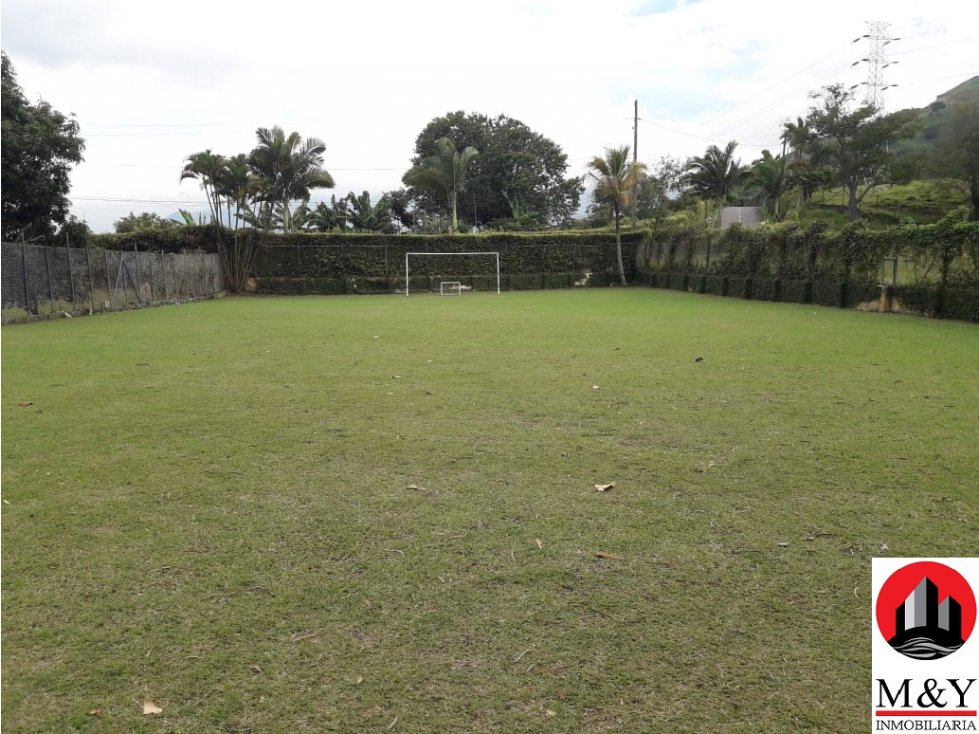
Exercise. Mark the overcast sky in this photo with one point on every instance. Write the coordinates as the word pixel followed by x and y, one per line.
pixel 151 82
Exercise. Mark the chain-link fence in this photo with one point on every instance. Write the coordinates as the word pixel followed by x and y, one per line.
pixel 40 281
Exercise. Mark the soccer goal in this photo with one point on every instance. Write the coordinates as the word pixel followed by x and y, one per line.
pixel 442 287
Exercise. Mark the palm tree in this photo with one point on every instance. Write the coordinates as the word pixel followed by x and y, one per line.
pixel 443 173
pixel 286 169
pixel 796 135
pixel 368 217
pixel 235 183
pixel 615 178
pixel 768 174
pixel 206 167
pixel 332 218
pixel 714 175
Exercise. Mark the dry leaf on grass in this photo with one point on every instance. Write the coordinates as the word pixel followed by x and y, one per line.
pixel 95 712
pixel 358 680
pixel 607 556
pixel 25 403
pixel 254 668
pixel 414 487
pixel 540 543
pixel 604 487
pixel 300 636
pixel 150 708
pixel 551 713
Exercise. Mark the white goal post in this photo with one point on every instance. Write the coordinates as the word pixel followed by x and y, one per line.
pixel 409 255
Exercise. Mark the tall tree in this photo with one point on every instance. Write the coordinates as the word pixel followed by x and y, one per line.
pixel 367 216
pixel 659 188
pixel 142 222
pixel 796 136
pixel 207 168
pixel 714 175
pixel 804 172
pixel 956 154
pixel 520 176
pixel 236 185
pixel 332 218
pixel 615 178
pixel 853 143
pixel 769 174
pixel 443 173
pixel 402 212
pixel 286 168
pixel 39 147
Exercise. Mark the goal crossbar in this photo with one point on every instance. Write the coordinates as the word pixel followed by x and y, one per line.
pixel 448 254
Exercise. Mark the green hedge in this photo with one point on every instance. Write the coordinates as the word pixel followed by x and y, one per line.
pixel 331 255
pixel 764 289
pixel 307 255
pixel 793 291
pixel 172 239
pixel 717 285
pixel 787 252
pixel 960 301
pixel 738 287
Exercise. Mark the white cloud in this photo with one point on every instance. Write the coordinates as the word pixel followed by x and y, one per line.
pixel 152 82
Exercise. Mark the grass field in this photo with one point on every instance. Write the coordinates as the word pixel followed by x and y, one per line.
pixel 361 514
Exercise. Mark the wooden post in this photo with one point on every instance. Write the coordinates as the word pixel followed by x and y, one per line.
pixel 71 278
pixel 108 283
pixel 139 278
pixel 91 281
pixel 152 289
pixel 23 260
pixel 47 266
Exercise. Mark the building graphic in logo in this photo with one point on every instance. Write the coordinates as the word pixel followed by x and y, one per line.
pixel 926 610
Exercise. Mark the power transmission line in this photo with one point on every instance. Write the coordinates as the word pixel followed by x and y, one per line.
pixel 878 38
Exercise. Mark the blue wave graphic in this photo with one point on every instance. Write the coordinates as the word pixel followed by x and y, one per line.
pixel 921 648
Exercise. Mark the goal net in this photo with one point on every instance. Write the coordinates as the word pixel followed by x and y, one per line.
pixel 451 279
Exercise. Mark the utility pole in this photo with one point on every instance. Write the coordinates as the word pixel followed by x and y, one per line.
pixel 876 60
pixel 635 161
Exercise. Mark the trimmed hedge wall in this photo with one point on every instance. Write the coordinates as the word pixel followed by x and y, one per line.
pixel 172 239
pixel 329 263
pixel 376 263
pixel 843 269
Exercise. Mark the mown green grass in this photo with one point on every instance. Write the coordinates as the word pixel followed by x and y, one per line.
pixel 194 487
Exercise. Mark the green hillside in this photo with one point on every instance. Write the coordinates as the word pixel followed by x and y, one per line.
pixel 930 119
pixel 923 201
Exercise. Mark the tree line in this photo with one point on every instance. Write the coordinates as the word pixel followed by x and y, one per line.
pixel 473 172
